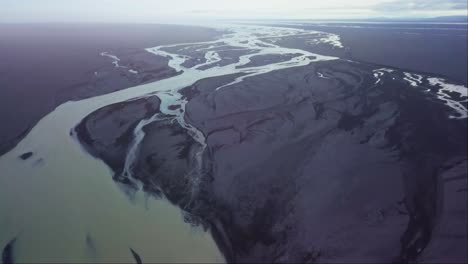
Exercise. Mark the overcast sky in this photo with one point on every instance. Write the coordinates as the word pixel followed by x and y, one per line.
pixel 174 10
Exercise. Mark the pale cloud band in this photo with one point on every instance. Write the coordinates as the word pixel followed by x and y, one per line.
pixel 412 5
pixel 169 10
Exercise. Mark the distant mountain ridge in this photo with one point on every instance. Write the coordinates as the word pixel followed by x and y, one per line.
pixel 441 19
pixel 453 19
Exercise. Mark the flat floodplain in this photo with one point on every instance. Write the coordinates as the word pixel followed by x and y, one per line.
pixel 437 48
pixel 45 65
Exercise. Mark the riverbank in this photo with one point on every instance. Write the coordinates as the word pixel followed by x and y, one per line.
pixel 46 65
pixel 305 160
pixel 436 49
pixel 287 201
pixel 298 131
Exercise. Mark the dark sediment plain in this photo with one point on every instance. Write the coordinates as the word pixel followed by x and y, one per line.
pixel 7 253
pixel 43 66
pixel 332 162
pixel 283 155
pixel 101 133
pixel 436 48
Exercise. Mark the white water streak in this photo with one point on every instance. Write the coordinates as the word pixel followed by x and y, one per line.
pixel 52 208
pixel 444 89
pixel 443 94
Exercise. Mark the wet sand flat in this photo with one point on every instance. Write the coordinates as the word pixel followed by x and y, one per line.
pixel 305 167
pixel 433 48
pixel 45 65
pixel 297 158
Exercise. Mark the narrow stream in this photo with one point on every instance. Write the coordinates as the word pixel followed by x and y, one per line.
pixel 62 205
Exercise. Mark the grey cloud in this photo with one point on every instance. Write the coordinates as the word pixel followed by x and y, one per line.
pixel 463 5
pixel 410 5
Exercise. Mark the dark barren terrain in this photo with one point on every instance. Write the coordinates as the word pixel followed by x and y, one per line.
pixel 304 169
pixel 45 65
pixel 423 47
pixel 339 161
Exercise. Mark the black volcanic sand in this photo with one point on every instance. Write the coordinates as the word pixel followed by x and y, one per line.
pixel 26 155
pixel 136 256
pixel 166 161
pixel 7 253
pixel 196 52
pixel 440 49
pixel 261 60
pixel 109 78
pixel 108 132
pixel 306 169
pixel 45 65
pixel 229 54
